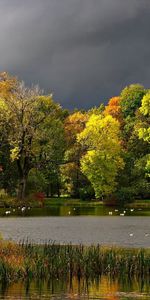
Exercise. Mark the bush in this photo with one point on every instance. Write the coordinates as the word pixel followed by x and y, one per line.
pixel 36 182
pixel 6 200
pixel 124 195
pixel 86 193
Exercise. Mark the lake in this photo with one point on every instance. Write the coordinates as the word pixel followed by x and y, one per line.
pixel 107 230
pixel 78 224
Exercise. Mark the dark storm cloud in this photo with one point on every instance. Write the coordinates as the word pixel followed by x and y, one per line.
pixel 84 51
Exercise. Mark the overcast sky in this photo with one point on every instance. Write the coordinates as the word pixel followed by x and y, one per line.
pixel 83 51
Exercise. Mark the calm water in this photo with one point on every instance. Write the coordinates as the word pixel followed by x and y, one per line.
pixel 78 224
pixel 107 230
pixel 74 210
pixel 102 288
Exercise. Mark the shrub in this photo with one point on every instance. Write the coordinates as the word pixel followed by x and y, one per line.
pixel 86 193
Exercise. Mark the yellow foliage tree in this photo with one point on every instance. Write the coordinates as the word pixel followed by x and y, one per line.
pixel 102 160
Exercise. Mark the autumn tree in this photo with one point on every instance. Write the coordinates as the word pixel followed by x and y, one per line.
pixel 71 173
pixel 144 130
pixel 102 160
pixel 28 116
pixel 96 110
pixel 8 174
pixel 114 109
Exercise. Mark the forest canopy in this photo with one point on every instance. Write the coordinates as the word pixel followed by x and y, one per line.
pixel 103 152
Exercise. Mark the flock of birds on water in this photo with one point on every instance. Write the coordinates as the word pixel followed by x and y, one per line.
pixel 22 209
pixel 122 214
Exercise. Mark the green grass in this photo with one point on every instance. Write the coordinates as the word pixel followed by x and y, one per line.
pixel 73 202
pixel 28 261
pixel 140 204
pixel 66 201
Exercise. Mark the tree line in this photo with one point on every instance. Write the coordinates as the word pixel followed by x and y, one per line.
pixel 103 152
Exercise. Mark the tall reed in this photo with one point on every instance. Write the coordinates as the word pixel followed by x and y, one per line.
pixel 26 260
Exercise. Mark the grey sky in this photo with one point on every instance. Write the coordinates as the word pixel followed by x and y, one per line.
pixel 84 51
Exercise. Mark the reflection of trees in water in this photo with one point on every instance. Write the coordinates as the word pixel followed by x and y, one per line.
pixel 74 288
pixel 104 287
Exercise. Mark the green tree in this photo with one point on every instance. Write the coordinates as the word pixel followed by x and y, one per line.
pixel 52 155
pixel 130 99
pixel 28 115
pixel 8 170
pixel 131 177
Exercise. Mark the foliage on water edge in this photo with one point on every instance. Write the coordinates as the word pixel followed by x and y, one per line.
pixel 28 261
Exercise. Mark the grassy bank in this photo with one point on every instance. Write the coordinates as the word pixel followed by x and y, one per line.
pixel 71 202
pixel 48 202
pixel 32 201
pixel 27 261
pixel 64 201
pixel 140 204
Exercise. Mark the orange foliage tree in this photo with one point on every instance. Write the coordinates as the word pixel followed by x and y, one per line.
pixel 114 109
pixel 73 125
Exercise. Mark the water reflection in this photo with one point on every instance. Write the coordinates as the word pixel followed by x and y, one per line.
pixel 100 288
pixel 74 210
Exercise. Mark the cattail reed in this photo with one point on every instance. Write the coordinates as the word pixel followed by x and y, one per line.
pixel 27 261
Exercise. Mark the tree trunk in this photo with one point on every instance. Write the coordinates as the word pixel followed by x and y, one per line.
pixel 51 190
pixel 22 188
pixel 76 184
pixel 23 170
pixel 58 188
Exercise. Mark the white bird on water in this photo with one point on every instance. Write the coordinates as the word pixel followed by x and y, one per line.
pixel 7 212
pixel 131 234
pixel 23 208
pixel 110 213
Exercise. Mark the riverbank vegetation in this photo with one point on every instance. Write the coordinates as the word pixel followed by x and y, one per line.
pixel 47 151
pixel 28 261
